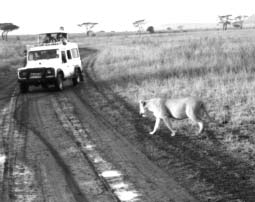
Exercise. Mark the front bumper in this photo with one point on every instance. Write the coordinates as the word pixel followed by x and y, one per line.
pixel 38 81
pixel 37 76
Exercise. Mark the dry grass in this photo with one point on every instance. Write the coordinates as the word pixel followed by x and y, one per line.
pixel 217 66
pixel 11 55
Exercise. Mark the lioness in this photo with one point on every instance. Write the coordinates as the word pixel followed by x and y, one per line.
pixel 181 108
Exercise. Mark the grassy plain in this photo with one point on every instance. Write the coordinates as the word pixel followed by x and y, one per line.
pixel 217 66
pixel 11 54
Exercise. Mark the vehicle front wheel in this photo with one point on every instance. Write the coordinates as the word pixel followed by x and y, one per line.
pixel 59 82
pixel 23 87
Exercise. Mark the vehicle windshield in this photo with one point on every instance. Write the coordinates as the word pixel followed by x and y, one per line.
pixel 43 54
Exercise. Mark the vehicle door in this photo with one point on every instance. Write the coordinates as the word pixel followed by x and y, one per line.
pixel 70 61
pixel 76 57
pixel 66 67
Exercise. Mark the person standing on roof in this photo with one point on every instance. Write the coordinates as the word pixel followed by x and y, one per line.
pixel 49 39
pixel 61 38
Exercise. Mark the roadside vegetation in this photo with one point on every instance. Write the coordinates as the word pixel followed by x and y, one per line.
pixel 11 55
pixel 217 66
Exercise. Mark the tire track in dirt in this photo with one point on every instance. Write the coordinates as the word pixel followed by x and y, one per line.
pixel 6 127
pixel 17 177
pixel 33 165
pixel 60 164
pixel 45 155
pixel 27 158
pixel 112 178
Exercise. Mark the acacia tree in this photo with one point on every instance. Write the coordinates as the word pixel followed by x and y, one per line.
pixel 6 28
pixel 88 26
pixel 150 29
pixel 139 24
pixel 225 21
pixel 169 29
pixel 239 20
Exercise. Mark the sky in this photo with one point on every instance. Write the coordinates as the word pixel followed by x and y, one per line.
pixel 34 16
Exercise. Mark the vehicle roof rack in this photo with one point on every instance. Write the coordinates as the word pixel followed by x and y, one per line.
pixel 45 44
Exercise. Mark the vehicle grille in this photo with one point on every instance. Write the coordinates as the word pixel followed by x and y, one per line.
pixel 31 72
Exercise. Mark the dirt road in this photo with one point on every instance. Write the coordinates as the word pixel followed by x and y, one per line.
pixel 55 147
pixel 86 144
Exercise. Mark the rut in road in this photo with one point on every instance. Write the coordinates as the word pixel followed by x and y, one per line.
pixel 59 162
pixel 41 162
pixel 112 178
pixel 17 177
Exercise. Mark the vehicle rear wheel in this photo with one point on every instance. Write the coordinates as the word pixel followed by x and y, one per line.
pixel 77 78
pixel 23 87
pixel 59 82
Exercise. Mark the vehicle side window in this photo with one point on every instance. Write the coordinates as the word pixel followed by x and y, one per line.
pixel 69 56
pixel 78 55
pixel 75 53
pixel 63 56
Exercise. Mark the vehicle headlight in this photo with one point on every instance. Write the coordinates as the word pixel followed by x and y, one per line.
pixel 23 74
pixel 50 71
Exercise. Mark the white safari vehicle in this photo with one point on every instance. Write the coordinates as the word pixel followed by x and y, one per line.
pixel 50 61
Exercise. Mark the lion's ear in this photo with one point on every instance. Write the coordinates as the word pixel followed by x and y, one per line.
pixel 143 102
